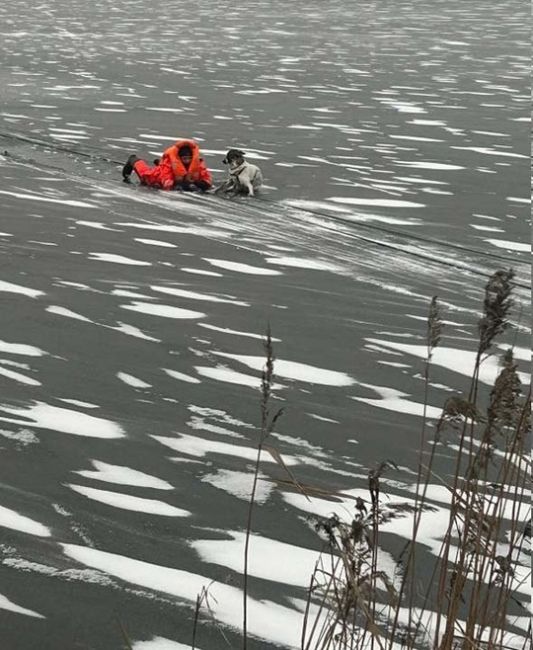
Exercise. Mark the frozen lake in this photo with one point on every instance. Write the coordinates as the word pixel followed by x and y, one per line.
pixel 394 140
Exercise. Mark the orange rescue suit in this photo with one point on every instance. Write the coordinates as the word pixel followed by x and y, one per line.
pixel 158 177
pixel 197 170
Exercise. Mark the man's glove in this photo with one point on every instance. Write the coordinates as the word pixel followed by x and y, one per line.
pixel 203 186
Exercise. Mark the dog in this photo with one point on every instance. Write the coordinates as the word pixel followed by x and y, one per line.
pixel 244 178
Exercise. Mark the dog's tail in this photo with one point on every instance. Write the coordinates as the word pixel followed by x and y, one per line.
pixel 257 179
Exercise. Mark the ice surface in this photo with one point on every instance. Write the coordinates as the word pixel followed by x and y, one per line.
pixel 45 199
pixel 336 100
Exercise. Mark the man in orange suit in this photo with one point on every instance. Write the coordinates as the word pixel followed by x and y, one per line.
pixel 180 167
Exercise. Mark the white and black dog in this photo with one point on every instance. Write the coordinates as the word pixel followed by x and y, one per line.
pixel 244 178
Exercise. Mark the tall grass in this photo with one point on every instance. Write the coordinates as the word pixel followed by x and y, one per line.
pixel 463 597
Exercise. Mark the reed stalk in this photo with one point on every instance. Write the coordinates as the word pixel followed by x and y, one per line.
pixel 268 422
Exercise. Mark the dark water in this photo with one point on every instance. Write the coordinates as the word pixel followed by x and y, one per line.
pixel 394 142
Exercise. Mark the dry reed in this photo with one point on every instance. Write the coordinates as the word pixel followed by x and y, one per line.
pixel 464 599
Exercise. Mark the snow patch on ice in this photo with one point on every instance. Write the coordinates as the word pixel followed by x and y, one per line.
pixel 382 203
pixel 122 475
pixel 460 361
pixel 226 330
pixel 117 259
pixel 9 287
pixel 130 380
pixel 238 267
pixel 165 311
pixel 200 447
pixel 77 402
pixel 24 437
pixel 266 619
pixel 239 484
pixel 181 376
pixel 193 295
pixel 510 245
pixel 63 311
pixel 428 165
pixel 46 416
pixel 11 519
pixel 131 330
pixel 47 199
pixel 128 502
pixel 10 606
pixel 269 559
pixel 220 373
pixel 160 643
pixel 17 376
pixel 21 348
pixel 294 370
pixel 155 242
pixel 213 274
pixel 301 263
pixel 394 400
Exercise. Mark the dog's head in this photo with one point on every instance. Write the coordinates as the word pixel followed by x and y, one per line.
pixel 234 158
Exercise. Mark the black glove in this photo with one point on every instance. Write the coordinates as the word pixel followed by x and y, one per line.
pixel 203 186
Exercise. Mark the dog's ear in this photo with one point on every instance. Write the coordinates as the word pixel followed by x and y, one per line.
pixel 233 154
pixel 229 157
